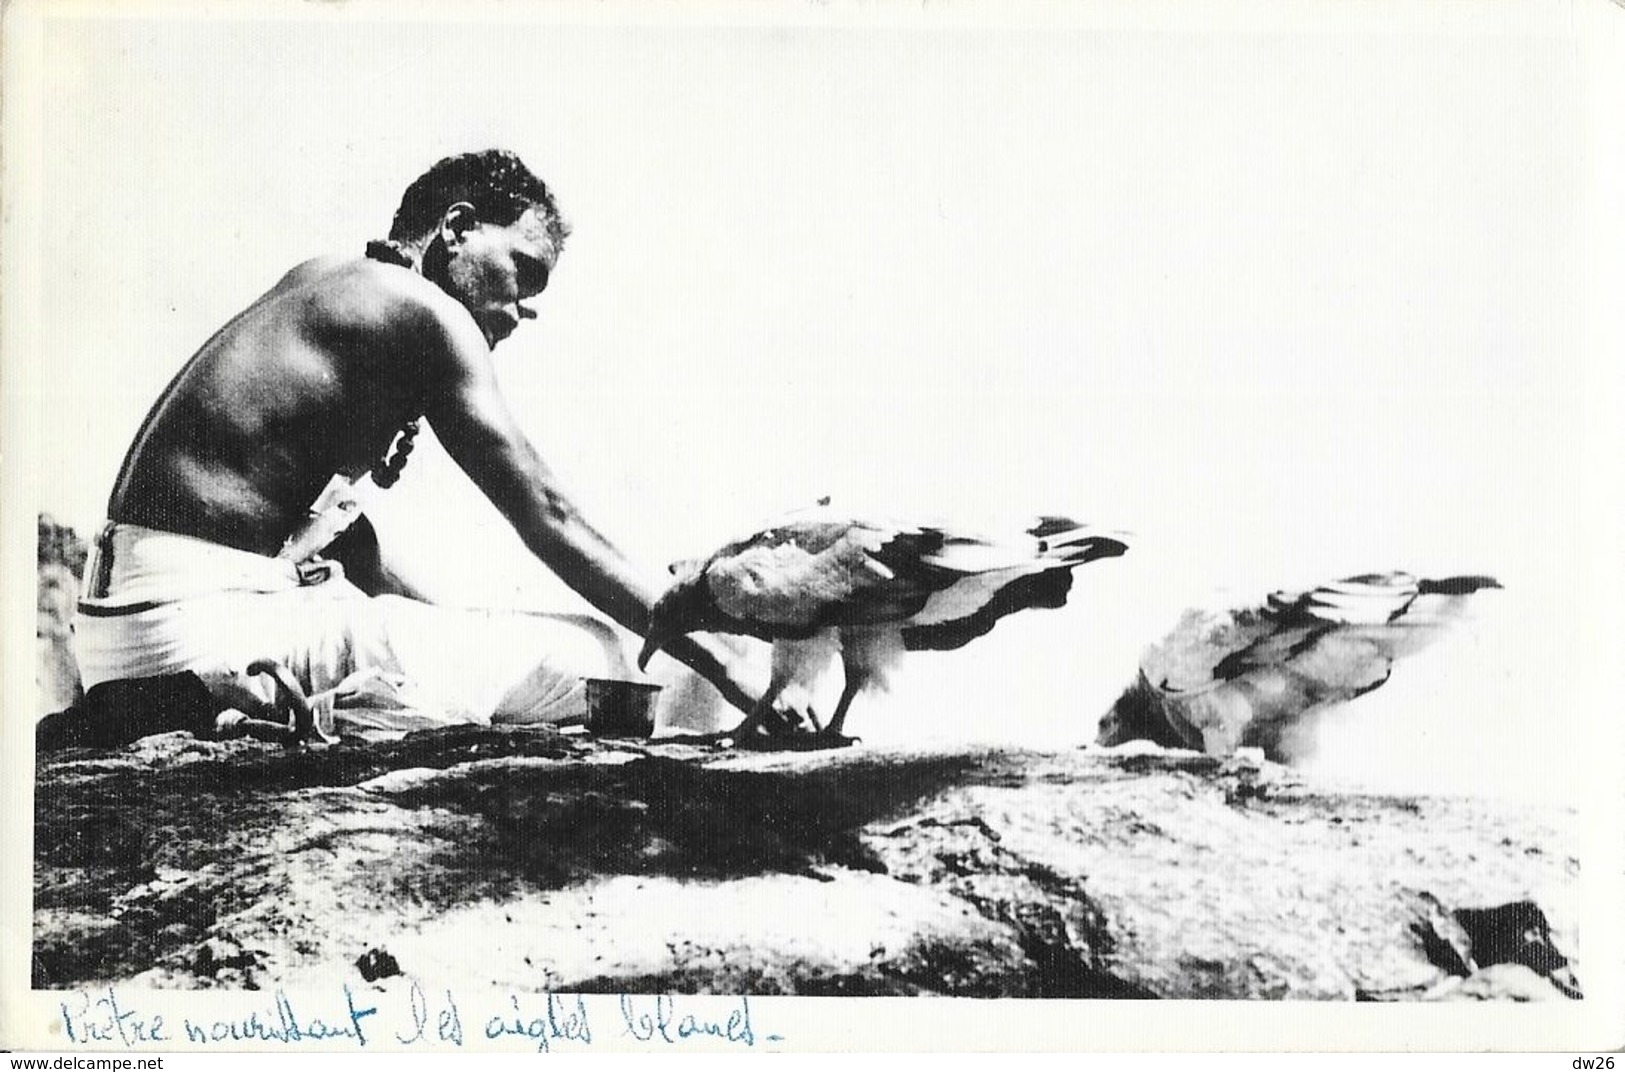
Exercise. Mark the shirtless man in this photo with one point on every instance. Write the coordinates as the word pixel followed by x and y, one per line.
pixel 199 567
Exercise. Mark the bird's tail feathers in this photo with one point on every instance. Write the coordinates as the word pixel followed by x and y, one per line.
pixel 1377 599
pixel 1464 585
pixel 1049 525
pixel 1075 544
pixel 1371 599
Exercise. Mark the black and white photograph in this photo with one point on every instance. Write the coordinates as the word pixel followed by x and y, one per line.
pixel 632 526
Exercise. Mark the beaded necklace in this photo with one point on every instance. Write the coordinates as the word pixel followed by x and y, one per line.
pixel 387 470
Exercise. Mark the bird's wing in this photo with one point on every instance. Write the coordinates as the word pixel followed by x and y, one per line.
pixel 972 605
pixel 991 579
pixel 1276 646
pixel 1049 543
pixel 1342 664
pixel 814 574
pixel 1396 613
pixel 1260 692
pixel 1329 633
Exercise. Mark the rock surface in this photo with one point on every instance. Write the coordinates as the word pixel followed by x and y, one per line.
pixel 532 859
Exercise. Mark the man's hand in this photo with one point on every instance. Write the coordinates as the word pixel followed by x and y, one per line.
pixel 741 676
pixel 790 713
pixel 786 718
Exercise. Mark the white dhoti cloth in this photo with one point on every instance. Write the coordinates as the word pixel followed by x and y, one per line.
pixel 174 603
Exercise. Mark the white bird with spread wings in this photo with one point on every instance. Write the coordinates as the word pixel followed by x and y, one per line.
pixel 821 584
pixel 1262 676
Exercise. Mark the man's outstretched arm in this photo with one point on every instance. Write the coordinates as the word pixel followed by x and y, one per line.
pixel 472 420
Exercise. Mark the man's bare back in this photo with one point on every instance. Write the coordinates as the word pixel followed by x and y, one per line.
pixel 313 379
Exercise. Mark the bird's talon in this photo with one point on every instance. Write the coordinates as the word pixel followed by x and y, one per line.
pixel 804 742
pixel 756 742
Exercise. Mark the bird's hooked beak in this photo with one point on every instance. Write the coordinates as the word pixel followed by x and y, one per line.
pixel 678 612
pixel 665 626
pixel 651 644
pixel 665 623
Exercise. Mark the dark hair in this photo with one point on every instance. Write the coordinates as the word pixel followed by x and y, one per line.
pixel 496 182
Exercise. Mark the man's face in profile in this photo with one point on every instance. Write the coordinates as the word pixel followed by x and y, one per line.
pixel 494 269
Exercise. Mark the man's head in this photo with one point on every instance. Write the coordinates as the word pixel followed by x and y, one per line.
pixel 496 183
pixel 488 231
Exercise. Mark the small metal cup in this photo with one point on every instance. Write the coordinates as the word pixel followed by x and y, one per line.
pixel 620 708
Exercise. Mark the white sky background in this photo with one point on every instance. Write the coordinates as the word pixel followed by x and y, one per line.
pixel 1288 303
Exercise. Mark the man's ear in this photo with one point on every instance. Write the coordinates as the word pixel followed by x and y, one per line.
pixel 458 219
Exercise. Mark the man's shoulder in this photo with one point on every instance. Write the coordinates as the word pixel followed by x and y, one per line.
pixel 355 289
pixel 351 276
